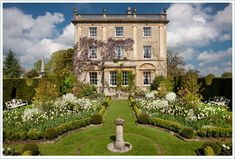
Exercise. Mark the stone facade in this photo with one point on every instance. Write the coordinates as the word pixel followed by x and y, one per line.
pixel 148 58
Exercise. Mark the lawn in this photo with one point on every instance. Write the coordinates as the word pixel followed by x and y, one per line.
pixel 145 140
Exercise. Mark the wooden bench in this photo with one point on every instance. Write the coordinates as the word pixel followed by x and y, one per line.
pixel 15 103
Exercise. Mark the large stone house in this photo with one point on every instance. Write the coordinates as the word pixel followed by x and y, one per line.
pixel 146 60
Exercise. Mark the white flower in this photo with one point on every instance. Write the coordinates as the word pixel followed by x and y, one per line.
pixel 171 96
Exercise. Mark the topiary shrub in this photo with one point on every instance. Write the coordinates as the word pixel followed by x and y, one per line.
pixel 142 118
pixel 34 134
pixel 187 133
pixel 96 119
pixel 208 151
pixel 33 148
pixel 50 133
pixel 102 110
pixel 214 145
pixel 27 153
pixel 133 104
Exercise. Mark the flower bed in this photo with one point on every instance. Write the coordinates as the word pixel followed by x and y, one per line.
pixel 33 122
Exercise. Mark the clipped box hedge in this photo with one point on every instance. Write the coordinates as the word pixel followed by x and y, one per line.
pixel 215 132
pixel 24 88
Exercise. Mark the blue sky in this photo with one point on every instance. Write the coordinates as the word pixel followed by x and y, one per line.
pixel 200 33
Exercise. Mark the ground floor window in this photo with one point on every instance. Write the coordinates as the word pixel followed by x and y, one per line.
pixel 113 78
pixel 124 78
pixel 147 78
pixel 93 78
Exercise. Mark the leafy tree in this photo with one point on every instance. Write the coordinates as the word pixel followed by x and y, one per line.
pixel 209 79
pixel 61 62
pixel 69 83
pixel 32 73
pixel 11 66
pixel 210 75
pixel 174 64
pixel 227 75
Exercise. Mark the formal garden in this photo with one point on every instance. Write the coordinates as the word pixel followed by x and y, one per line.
pixel 176 115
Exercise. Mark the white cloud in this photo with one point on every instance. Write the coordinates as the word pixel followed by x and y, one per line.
pixel 188 67
pixel 33 37
pixel 187 54
pixel 216 70
pixel 214 56
pixel 193 25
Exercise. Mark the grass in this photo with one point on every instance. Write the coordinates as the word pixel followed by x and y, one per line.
pixel 93 141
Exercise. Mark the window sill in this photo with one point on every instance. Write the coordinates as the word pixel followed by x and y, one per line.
pixel 146 85
pixel 147 36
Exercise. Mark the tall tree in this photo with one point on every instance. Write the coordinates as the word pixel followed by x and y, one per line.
pixel 174 64
pixel 61 62
pixel 11 66
pixel 227 75
pixel 37 65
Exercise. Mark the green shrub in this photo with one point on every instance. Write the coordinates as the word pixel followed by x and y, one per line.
pixel 34 134
pixel 136 110
pixel 10 151
pixel 214 132
pixel 11 135
pixel 130 97
pixel 61 129
pixel 31 147
pixel 50 133
pixel 156 82
pixel 214 145
pixel 27 153
pixel 43 96
pixel 142 118
pixel 23 135
pixel 102 110
pixel 96 119
pixel 187 133
pixel 208 151
pixel 108 98
pixel 133 104
pixel 167 124
pixel 105 103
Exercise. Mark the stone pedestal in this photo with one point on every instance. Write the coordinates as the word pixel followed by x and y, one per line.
pixel 119 145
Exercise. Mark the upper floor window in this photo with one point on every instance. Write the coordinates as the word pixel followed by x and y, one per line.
pixel 147 31
pixel 119 31
pixel 93 52
pixel 124 78
pixel 93 78
pixel 147 78
pixel 147 51
pixel 113 78
pixel 119 52
pixel 93 31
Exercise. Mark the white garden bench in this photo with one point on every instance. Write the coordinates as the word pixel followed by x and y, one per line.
pixel 15 103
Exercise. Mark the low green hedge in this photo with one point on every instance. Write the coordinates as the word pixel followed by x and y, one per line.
pixel 187 133
pixel 102 110
pixel 215 132
pixel 170 125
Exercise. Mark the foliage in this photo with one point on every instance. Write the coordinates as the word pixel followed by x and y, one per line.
pixel 214 145
pixel 11 66
pixel 190 89
pixel 45 91
pixel 24 88
pixel 61 62
pixel 209 79
pixel 69 83
pixel 32 73
pixel 167 124
pixel 102 110
pixel 106 104
pixel 37 65
pixel 96 119
pixel 84 90
pixel 142 118
pixel 174 64
pixel 215 132
pixel 33 148
pixel 156 82
pixel 34 134
pixel 27 153
pixel 227 75
pixel 187 133
pixel 50 133
pixel 10 150
pixel 208 151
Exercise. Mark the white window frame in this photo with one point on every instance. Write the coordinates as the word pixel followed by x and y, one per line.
pixel 147 55
pixel 125 78
pixel 92 33
pixel 93 52
pixel 147 77
pixel 119 51
pixel 147 33
pixel 93 76
pixel 111 79
pixel 119 33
